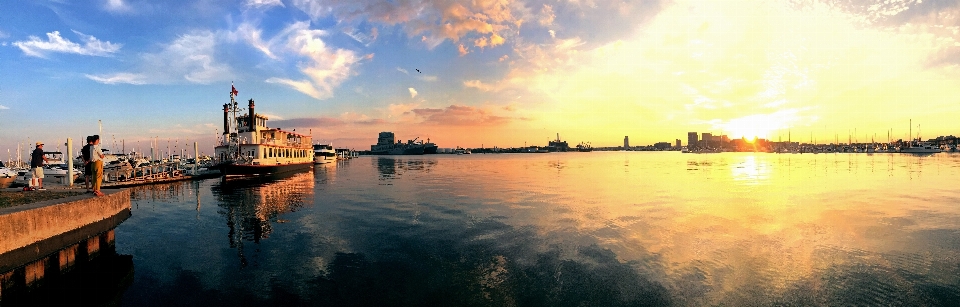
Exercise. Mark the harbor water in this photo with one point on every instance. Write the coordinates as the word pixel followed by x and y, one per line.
pixel 558 229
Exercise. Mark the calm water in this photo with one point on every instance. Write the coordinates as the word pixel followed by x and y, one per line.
pixel 573 229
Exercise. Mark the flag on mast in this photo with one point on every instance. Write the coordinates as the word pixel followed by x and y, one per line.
pixel 233 90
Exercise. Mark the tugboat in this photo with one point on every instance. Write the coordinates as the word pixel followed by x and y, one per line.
pixel 584 147
pixel 249 147
pixel 386 146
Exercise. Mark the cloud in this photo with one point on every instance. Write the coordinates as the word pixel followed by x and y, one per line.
pixel 435 21
pixel 120 78
pixel 312 122
pixel 37 47
pixel 260 4
pixel 403 70
pixel 463 51
pixel 413 92
pixel 116 6
pixel 3 107
pixel 478 85
pixel 496 40
pixel 4 35
pixel 428 78
pixel 361 37
pixel 253 36
pixel 460 116
pixel 190 58
pixel 324 67
pixel 547 15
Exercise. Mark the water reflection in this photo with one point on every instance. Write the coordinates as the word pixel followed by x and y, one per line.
pixel 600 229
pixel 391 168
pixel 251 205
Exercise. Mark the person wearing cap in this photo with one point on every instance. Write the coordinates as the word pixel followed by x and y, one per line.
pixel 96 160
pixel 37 160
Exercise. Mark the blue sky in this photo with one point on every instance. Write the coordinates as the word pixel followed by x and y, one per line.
pixel 494 72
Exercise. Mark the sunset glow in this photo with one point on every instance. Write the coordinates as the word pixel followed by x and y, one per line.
pixel 487 73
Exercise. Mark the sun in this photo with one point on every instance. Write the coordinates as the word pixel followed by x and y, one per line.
pixel 759 126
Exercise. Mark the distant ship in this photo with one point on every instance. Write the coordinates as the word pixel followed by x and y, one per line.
pixel 386 146
pixel 429 148
pixel 557 145
pixel 248 147
pixel 584 147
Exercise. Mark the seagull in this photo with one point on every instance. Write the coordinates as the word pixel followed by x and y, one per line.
pixel 419 71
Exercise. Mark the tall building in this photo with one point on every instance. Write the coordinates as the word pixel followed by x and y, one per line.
pixel 707 140
pixel 692 138
pixel 626 142
pixel 678 143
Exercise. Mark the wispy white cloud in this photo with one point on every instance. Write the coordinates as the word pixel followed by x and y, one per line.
pixel 260 4
pixel 403 70
pixel 38 47
pixel 189 58
pixel 324 67
pixel 428 78
pixel 3 107
pixel 120 78
pixel 413 92
pixel 116 6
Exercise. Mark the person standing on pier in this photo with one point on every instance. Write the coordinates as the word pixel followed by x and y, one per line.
pixel 96 161
pixel 87 166
pixel 37 160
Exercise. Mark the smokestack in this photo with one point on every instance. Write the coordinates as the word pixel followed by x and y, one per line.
pixel 251 121
pixel 226 118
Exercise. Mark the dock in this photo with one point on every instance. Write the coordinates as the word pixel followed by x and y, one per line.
pixel 45 240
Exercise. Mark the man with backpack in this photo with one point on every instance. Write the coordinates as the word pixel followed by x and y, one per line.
pixel 87 166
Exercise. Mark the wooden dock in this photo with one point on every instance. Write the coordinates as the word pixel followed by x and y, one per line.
pixel 151 174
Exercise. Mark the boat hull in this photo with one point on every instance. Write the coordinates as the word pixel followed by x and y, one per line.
pixel 429 150
pixel 252 170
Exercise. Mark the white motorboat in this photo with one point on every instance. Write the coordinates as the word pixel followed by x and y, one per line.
pixel 920 147
pixel 324 153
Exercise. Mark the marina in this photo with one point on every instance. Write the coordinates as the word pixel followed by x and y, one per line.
pixel 512 153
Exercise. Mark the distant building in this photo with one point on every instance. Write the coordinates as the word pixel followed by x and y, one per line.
pixel 707 139
pixel 626 142
pixel 662 145
pixel 692 139
pixel 678 143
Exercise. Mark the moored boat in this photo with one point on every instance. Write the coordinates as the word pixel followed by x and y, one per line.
pixel 324 153
pixel 249 147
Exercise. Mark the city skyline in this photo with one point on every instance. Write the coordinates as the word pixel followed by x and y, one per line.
pixel 497 73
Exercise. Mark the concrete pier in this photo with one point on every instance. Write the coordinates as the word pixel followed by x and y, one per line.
pixel 48 239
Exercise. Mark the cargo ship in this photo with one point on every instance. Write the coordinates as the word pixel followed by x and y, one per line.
pixel 386 145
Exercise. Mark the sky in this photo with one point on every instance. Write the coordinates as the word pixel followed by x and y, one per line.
pixel 479 73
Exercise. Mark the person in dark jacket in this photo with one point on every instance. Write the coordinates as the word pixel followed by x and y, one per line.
pixel 87 166
pixel 37 159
